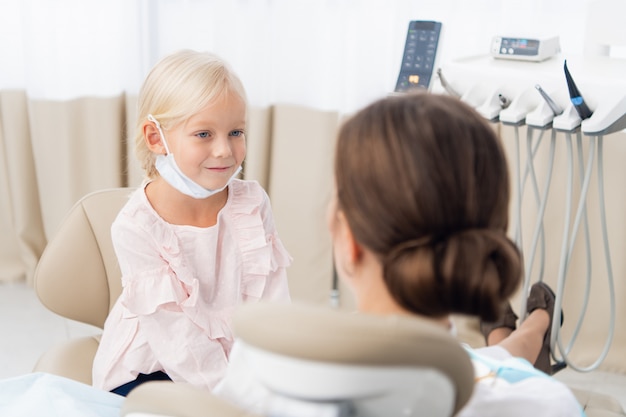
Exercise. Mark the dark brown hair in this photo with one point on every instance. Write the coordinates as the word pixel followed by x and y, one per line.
pixel 423 182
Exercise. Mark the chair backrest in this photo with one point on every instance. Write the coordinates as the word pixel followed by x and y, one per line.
pixel 78 275
pixel 391 366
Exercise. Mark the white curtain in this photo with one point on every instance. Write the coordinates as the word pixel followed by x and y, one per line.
pixel 328 54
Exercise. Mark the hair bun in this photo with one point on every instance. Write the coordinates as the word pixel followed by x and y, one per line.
pixel 469 272
pixel 486 263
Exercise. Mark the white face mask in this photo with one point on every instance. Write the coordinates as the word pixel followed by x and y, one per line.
pixel 170 172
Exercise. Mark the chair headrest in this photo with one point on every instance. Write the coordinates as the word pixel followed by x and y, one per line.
pixel 318 333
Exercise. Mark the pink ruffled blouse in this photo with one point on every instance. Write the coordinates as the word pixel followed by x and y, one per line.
pixel 181 285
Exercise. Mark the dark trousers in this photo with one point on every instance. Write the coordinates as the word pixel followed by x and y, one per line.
pixel 123 390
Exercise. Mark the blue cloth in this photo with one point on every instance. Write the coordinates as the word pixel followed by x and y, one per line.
pixel 41 394
pixel 125 389
pixel 511 370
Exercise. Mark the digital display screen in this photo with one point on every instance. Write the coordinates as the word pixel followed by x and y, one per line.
pixel 519 46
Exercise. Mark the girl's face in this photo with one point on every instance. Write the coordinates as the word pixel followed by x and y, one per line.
pixel 211 145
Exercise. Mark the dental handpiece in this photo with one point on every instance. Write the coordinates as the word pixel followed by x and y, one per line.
pixel 446 85
pixel 575 96
pixel 556 109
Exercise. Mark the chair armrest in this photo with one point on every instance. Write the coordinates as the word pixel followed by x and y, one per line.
pixel 72 359
pixel 165 398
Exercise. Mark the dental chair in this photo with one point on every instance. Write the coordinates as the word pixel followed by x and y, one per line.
pixel 367 363
pixel 78 278
pixel 316 361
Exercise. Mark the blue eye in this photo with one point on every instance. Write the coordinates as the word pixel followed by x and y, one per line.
pixel 237 133
pixel 202 135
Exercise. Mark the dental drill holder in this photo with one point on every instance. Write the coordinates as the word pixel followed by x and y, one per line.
pixel 482 80
pixel 475 96
pixel 488 101
pixel 542 100
pixel 520 107
pixel 492 106
pixel 608 118
pixel 542 116
pixel 568 121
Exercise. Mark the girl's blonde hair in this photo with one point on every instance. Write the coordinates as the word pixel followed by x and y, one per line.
pixel 177 87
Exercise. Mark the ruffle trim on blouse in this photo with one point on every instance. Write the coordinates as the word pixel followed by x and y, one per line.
pixel 158 288
pixel 262 252
pixel 152 290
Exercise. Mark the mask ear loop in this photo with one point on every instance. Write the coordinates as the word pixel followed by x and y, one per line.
pixel 158 126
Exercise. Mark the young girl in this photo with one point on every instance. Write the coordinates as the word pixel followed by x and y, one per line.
pixel 192 242
pixel 419 228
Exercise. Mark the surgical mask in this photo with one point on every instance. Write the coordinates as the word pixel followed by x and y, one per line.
pixel 170 172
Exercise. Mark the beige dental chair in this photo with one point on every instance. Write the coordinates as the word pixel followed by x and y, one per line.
pixel 319 361
pixel 78 278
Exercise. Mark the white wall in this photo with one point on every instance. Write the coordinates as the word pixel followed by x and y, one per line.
pixel 332 54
